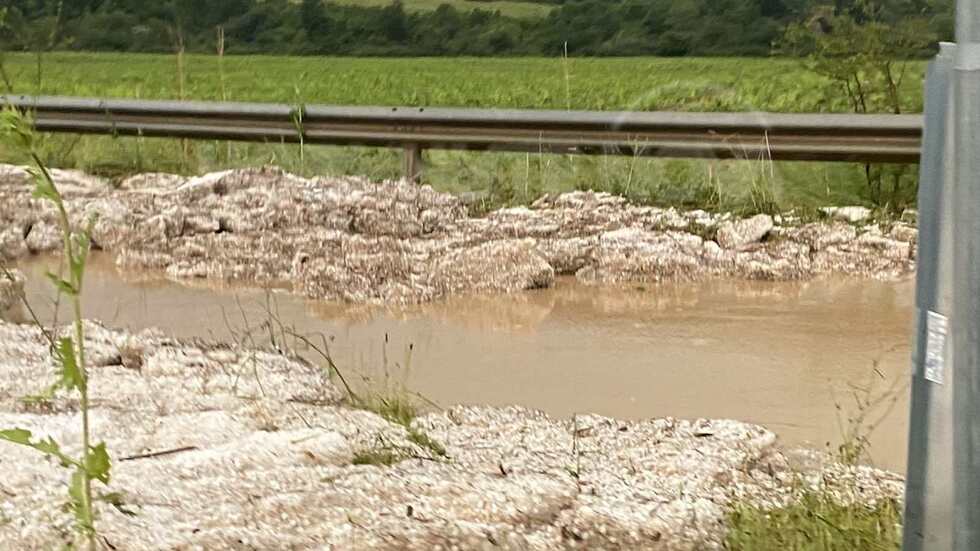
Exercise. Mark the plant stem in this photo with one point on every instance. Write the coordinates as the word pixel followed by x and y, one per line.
pixel 87 512
pixel 76 280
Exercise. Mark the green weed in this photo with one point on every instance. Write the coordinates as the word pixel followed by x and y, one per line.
pixel 398 408
pixel 816 522
pixel 869 407
pixel 387 454
pixel 401 408
pixel 392 402
pixel 426 442
pixel 69 351
pixel 383 456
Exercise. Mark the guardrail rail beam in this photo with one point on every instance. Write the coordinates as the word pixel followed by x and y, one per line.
pixel 748 136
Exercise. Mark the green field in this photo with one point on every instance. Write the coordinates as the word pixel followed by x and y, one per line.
pixel 520 10
pixel 686 84
pixel 689 84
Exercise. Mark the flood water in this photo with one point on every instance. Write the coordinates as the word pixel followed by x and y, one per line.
pixel 784 355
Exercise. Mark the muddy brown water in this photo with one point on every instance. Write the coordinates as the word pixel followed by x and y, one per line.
pixel 790 356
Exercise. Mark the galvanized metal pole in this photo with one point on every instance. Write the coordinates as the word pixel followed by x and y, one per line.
pixel 965 323
pixel 412 162
pixel 928 522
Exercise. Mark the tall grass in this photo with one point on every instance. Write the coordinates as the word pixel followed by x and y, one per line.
pixel 223 88
pixel 816 522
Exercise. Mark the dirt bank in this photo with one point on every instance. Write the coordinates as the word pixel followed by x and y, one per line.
pixel 269 450
pixel 359 241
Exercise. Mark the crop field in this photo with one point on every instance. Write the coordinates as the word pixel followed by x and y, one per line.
pixel 681 84
pixel 643 84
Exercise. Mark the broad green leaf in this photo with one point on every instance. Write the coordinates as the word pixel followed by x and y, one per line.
pixel 62 285
pixel 97 463
pixel 44 187
pixel 71 375
pixel 47 447
pixel 76 488
pixel 76 491
pixel 17 436
pixel 42 192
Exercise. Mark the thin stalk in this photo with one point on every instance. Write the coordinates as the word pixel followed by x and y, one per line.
pixel 185 144
pixel 76 280
pixel 221 63
pixel 38 72
pixel 221 80
pixel 87 513
pixel 568 98
pixel 637 151
pixel 527 175
pixel 568 85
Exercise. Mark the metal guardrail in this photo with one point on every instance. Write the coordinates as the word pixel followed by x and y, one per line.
pixel 752 136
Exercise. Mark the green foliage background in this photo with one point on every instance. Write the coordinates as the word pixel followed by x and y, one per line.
pixel 434 27
pixel 834 49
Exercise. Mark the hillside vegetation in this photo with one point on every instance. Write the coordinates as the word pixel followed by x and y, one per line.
pixel 856 56
pixel 509 8
pixel 457 27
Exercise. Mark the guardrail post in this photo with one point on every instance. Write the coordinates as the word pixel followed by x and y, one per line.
pixel 928 523
pixel 965 323
pixel 943 482
pixel 412 163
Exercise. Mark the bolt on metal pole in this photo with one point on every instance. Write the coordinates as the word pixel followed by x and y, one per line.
pixel 929 482
pixel 965 326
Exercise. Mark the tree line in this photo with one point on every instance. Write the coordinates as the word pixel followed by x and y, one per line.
pixel 318 27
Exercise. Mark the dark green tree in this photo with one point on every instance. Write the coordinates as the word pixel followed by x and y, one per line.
pixel 393 22
pixel 313 17
pixel 865 54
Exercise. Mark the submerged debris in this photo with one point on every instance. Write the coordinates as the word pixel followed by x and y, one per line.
pixel 221 447
pixel 355 240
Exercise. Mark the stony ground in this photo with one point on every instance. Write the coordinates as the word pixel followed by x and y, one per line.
pixel 261 451
pixel 266 453
pixel 359 241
